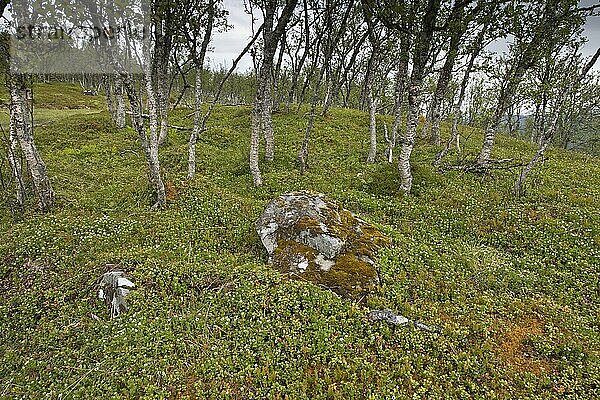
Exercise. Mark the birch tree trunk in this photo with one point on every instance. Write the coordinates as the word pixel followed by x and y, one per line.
pixel 120 103
pixel 490 132
pixel 262 108
pixel 264 82
pixel 199 61
pixel 22 128
pixel 149 143
pixel 153 142
pixel 512 81
pixel 368 87
pixel 409 139
pixel 196 129
pixel 399 89
pixel 420 58
pixel 372 127
pixel 15 166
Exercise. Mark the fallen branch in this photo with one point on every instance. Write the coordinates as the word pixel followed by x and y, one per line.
pixel 477 168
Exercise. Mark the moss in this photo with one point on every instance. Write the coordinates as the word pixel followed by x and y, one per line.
pixel 350 276
pixel 308 224
pixel 286 253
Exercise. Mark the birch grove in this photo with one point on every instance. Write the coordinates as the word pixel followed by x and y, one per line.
pixel 419 71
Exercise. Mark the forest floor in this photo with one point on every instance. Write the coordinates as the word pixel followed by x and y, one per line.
pixel 513 283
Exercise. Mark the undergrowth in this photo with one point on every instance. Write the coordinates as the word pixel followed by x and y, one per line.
pixel 513 283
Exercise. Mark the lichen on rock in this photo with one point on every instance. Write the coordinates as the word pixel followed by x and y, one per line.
pixel 315 239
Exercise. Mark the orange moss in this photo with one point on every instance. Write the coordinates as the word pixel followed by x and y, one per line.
pixel 514 351
pixel 170 191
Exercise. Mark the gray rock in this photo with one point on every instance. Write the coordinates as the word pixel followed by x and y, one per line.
pixel 399 320
pixel 315 239
pixel 387 315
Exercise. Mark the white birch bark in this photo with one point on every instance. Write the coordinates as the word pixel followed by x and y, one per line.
pixel 261 111
pixel 15 166
pixel 119 103
pixel 196 129
pixel 372 126
pixel 409 139
pixel 399 89
pixel 152 153
pixel 389 153
pixel 23 131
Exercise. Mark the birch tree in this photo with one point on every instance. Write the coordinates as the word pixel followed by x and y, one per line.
pixel 262 109
pixel 21 133
pixel 418 19
pixel 549 133
pixel 479 43
pixel 375 42
pixel 327 36
pixel 201 27
pixel 399 92
pixel 457 24
pixel 149 139
pixel 538 28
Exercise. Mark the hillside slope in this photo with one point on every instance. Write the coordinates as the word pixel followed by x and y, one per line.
pixel 514 284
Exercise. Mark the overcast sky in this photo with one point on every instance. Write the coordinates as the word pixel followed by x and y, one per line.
pixel 228 45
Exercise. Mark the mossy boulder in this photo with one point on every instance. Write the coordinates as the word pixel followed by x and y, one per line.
pixel 313 238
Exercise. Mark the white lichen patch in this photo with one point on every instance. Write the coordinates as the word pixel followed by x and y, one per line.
pixel 303 265
pixel 329 245
pixel 323 263
pixel 323 227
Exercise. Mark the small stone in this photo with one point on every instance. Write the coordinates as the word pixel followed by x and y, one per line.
pixel 387 315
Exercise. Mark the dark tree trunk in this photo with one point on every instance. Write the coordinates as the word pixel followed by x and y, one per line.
pixel 149 143
pixel 442 88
